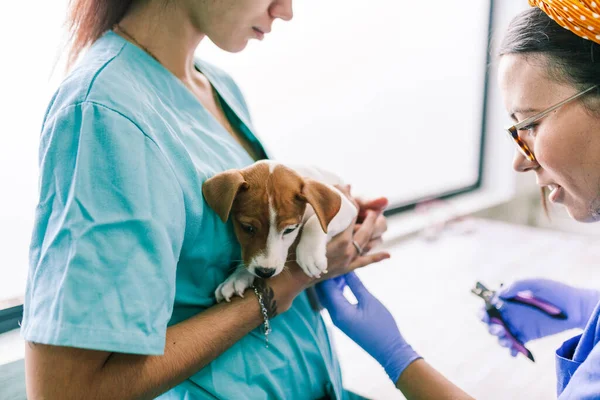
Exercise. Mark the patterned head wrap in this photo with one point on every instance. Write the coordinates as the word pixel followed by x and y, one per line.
pixel 582 17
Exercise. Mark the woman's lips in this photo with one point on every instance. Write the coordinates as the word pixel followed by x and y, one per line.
pixel 259 34
pixel 555 193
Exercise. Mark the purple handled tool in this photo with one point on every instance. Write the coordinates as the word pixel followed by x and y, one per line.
pixel 527 298
pixel 496 318
pixel 492 305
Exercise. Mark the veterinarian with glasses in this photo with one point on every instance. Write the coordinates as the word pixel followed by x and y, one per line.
pixel 550 79
pixel 126 256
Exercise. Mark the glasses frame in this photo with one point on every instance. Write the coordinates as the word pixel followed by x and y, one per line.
pixel 513 131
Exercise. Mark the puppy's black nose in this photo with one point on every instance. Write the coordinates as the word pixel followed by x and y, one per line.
pixel 264 272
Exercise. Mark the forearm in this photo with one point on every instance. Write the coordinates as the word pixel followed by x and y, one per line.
pixel 421 381
pixel 55 372
pixel 190 345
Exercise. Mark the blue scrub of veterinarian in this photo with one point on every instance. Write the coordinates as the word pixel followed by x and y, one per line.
pixel 578 363
pixel 124 245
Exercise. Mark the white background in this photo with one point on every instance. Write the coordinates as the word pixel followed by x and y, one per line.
pixel 30 39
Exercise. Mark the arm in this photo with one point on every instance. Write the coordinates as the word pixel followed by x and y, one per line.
pixel 374 329
pixel 421 381
pixel 55 372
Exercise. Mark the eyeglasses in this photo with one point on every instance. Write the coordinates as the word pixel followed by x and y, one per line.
pixel 513 131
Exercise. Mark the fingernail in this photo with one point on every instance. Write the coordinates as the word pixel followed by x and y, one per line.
pixel 497 330
pixel 483 316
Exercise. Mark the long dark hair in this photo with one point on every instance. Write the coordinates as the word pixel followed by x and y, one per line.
pixel 88 20
pixel 571 59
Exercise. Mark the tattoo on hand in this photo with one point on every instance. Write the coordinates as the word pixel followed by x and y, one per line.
pixel 268 296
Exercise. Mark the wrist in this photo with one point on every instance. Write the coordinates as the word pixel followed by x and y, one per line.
pixel 398 359
pixel 289 284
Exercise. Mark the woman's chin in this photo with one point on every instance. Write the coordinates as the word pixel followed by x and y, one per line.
pixel 237 47
pixel 232 45
pixel 580 214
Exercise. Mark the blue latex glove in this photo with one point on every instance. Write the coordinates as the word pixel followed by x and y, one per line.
pixel 528 324
pixel 368 323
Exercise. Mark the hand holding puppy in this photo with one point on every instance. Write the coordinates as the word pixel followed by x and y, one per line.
pixel 366 233
pixel 343 255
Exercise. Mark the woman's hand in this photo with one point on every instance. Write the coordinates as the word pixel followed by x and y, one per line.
pixel 374 329
pixel 368 323
pixel 342 254
pixel 377 205
pixel 528 323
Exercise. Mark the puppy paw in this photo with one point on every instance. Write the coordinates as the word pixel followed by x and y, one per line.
pixel 236 283
pixel 312 258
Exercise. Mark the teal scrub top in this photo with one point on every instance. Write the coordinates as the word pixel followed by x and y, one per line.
pixel 124 244
pixel 578 363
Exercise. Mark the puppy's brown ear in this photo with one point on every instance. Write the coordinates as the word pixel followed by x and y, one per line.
pixel 325 201
pixel 220 191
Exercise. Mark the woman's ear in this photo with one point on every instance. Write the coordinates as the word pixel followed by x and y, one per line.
pixel 220 191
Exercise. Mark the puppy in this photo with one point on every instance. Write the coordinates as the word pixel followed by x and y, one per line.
pixel 270 204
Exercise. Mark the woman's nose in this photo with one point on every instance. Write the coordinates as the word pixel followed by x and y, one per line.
pixel 282 9
pixel 522 163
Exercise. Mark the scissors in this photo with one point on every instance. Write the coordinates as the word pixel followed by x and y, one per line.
pixel 493 305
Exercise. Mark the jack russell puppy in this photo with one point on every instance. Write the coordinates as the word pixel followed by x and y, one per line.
pixel 270 204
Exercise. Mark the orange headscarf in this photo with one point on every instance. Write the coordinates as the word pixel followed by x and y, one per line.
pixel 582 17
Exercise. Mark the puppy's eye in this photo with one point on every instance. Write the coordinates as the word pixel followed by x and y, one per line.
pixel 290 230
pixel 249 229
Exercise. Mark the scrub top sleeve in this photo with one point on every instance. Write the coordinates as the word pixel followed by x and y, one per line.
pixel 585 382
pixel 107 236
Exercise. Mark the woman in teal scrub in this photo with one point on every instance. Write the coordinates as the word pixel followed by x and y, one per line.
pixel 125 255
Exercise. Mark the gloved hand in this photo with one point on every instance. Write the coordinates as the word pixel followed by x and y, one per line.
pixel 528 323
pixel 368 323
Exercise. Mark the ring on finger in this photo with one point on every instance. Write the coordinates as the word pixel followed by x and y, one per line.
pixel 359 249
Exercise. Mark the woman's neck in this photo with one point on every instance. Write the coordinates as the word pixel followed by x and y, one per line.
pixel 167 33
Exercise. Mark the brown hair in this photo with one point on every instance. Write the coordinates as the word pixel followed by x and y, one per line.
pixel 89 19
pixel 572 58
